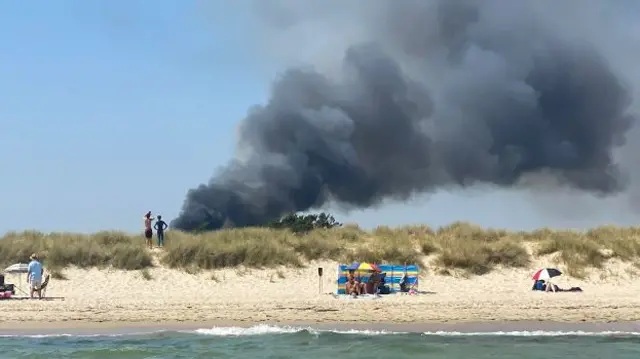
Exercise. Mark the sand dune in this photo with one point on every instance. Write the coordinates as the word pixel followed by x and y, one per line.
pixel 292 295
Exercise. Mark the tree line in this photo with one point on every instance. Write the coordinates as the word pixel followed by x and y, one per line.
pixel 297 223
pixel 302 223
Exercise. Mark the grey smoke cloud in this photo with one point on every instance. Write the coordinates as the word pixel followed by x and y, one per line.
pixel 418 96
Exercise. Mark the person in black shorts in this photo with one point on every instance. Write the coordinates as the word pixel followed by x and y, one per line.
pixel 148 231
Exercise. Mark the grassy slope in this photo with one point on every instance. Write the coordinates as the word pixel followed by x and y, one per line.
pixel 459 246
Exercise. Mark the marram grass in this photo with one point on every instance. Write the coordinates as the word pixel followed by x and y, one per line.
pixel 459 246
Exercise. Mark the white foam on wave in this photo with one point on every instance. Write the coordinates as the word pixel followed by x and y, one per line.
pixel 534 333
pixel 68 335
pixel 263 329
pixel 60 335
pixel 240 331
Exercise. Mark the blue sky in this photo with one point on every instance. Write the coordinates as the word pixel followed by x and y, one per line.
pixel 111 108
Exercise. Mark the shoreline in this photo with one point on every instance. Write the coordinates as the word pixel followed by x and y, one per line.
pixel 123 328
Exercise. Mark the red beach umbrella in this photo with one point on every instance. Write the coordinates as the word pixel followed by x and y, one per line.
pixel 546 274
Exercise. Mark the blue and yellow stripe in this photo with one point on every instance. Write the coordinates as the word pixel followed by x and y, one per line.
pixel 394 274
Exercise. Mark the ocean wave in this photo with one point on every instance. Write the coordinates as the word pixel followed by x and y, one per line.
pixel 92 335
pixel 535 333
pixel 273 329
pixel 264 329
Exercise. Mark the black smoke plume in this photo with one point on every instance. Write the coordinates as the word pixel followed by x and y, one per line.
pixel 438 98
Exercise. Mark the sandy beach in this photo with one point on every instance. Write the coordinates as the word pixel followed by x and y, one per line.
pixel 103 297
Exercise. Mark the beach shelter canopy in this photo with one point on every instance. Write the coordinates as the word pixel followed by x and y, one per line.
pixel 17 268
pixel 363 266
pixel 546 274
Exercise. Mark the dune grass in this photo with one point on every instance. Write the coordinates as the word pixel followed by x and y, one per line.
pixel 457 247
pixel 59 250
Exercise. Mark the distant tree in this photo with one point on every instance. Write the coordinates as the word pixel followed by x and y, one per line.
pixel 299 223
pixel 324 220
pixel 208 224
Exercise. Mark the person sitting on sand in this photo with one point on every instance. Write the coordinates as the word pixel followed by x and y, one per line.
pixel 382 287
pixel 404 284
pixel 542 286
pixel 373 283
pixel 353 286
pixel 539 285
pixel 148 232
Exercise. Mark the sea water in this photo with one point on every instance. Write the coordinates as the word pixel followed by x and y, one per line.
pixel 265 341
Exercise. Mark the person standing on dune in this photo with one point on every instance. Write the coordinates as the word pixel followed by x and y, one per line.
pixel 160 226
pixel 148 231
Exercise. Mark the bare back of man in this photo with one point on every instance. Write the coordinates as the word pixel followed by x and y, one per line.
pixel 148 231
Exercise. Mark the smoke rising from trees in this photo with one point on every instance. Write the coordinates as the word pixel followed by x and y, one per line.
pixel 429 95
